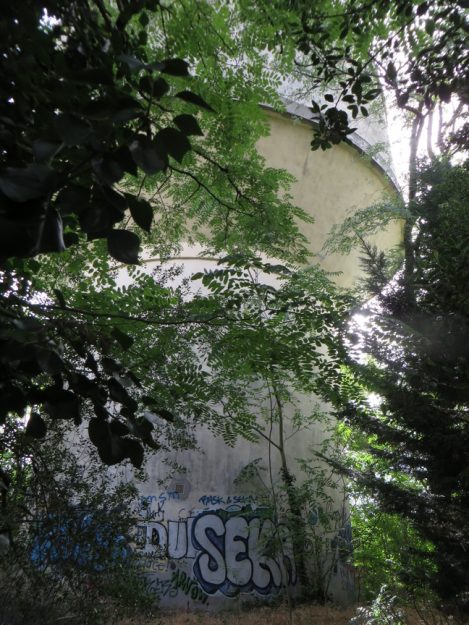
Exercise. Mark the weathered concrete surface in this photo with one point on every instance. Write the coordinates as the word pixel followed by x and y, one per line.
pixel 203 535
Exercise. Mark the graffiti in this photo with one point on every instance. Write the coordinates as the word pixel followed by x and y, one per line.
pixel 229 551
pixel 189 586
pixel 163 587
pixel 151 507
pixel 241 553
pixel 218 500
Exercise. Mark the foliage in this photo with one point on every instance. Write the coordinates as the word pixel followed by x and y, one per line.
pixel 418 438
pixel 98 117
pixel 383 610
pixel 70 531
pixel 351 50
pixel 378 554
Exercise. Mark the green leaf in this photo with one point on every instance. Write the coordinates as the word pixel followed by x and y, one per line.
pixel 193 98
pixel 141 211
pixel 123 246
pixel 188 125
pixel 174 142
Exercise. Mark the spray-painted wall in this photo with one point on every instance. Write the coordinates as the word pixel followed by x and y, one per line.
pixel 206 539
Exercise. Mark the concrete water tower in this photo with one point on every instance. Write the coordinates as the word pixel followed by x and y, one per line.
pixel 203 535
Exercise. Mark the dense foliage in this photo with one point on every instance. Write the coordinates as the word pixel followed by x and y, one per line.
pixel 416 459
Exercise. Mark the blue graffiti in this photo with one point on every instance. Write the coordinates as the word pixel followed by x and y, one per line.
pixel 241 553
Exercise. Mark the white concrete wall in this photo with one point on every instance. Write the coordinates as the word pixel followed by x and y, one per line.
pixel 202 536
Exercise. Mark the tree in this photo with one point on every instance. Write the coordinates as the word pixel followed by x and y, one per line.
pixel 96 114
pixel 419 369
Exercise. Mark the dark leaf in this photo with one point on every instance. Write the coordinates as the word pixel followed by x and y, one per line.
pixel 123 157
pixel 98 431
pixel 62 404
pixel 118 428
pixel 124 340
pixel 44 151
pixel 27 183
pixel 147 156
pixel 123 246
pixel 188 125
pixel 132 63
pixel 174 67
pixel 50 361
pixel 155 88
pixel 165 414
pixel 72 199
pixel 72 130
pixel 51 236
pixel 141 211
pixel 193 98
pixel 133 451
pixel 391 72
pixel 106 169
pixel 36 427
pixel 110 365
pixel 329 97
pixel 174 142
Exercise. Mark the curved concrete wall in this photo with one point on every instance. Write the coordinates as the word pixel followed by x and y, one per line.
pixel 204 535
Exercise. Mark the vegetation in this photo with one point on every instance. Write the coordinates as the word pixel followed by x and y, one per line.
pixel 129 125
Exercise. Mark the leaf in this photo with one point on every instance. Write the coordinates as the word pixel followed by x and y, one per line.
pixel 98 431
pixel 193 98
pixel 124 340
pixel 50 361
pixel 147 156
pixel 106 169
pixel 430 27
pixel 44 151
pixel 174 142
pixel 110 365
pixel 155 88
pixel 134 451
pixel 26 183
pixel 51 235
pixel 329 97
pixel 118 428
pixel 391 72
pixel 123 157
pixel 174 67
pixel 188 125
pixel 123 245
pixel 141 211
pixel 72 199
pixel 72 130
pixel 36 427
pixel 165 414
pixel 62 404
pixel 132 62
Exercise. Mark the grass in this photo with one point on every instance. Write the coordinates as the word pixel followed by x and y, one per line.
pixel 304 615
